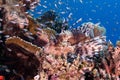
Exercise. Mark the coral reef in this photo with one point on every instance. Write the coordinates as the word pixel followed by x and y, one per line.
pixel 51 20
pixel 24 5
pixel 45 48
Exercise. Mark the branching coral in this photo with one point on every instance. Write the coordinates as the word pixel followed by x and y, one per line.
pixel 64 70
pixel 116 57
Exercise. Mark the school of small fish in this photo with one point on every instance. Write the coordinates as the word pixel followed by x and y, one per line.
pixel 32 49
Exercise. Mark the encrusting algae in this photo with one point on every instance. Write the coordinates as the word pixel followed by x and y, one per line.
pixel 46 49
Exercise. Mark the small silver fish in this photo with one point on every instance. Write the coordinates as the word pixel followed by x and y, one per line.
pixel 56 6
pixel 81 1
pixel 44 6
pixel 70 15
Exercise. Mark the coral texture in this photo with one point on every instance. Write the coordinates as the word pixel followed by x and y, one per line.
pixel 46 49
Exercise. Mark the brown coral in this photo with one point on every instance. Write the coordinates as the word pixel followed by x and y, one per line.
pixel 24 5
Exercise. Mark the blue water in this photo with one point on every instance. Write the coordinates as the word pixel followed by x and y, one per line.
pixel 107 12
